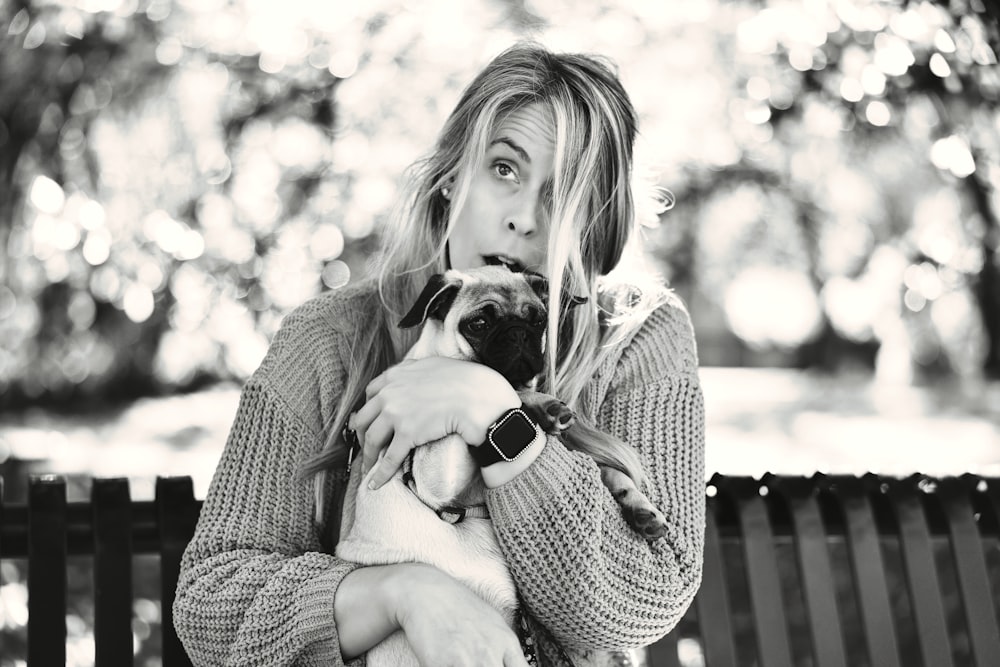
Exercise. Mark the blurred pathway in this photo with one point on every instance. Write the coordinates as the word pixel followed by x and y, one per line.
pixel 759 420
pixel 780 421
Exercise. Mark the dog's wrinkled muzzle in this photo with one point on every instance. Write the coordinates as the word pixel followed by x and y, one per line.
pixel 514 349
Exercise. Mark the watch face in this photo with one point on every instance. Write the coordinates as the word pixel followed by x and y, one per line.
pixel 513 434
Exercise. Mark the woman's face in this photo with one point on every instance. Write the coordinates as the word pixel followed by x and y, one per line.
pixel 504 219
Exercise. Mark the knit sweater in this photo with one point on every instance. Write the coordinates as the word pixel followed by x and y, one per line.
pixel 256 587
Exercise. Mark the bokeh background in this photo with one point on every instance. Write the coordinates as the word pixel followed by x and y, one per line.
pixel 177 175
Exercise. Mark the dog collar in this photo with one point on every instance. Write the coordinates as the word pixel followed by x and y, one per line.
pixel 449 513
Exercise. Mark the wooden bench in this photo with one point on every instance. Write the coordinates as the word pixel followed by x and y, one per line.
pixel 111 528
pixel 826 571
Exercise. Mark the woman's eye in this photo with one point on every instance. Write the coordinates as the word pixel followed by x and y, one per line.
pixel 505 171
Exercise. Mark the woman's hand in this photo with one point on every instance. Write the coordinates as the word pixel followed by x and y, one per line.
pixel 420 401
pixel 446 623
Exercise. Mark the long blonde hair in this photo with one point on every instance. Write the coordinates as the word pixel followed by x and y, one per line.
pixel 592 212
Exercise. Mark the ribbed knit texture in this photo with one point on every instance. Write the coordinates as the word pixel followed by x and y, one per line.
pixel 256 589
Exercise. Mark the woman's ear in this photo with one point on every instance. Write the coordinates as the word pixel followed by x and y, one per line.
pixel 448 189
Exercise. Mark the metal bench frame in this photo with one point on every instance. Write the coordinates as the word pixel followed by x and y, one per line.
pixel 920 557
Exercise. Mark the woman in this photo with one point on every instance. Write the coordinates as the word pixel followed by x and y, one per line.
pixel 532 170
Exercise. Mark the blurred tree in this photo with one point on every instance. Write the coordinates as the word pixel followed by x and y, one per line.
pixel 59 68
pixel 85 304
pixel 176 176
pixel 871 169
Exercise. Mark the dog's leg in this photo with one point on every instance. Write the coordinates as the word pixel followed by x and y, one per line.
pixel 638 511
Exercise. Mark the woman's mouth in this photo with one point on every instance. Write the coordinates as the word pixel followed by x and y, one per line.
pixel 504 260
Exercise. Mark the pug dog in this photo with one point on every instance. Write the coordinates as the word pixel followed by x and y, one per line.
pixel 433 509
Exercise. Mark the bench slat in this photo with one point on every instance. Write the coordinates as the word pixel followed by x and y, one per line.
pixel 769 618
pixel 177 512
pixel 970 564
pixel 47 571
pixel 112 509
pixel 921 572
pixel 712 601
pixel 816 570
pixel 869 570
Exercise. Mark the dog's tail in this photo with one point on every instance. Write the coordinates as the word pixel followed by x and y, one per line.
pixel 604 448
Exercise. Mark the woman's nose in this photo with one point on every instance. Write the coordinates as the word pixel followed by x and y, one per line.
pixel 522 220
pixel 525 218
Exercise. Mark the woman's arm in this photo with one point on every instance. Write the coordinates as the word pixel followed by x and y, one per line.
pixel 584 574
pixel 444 621
pixel 255 585
pixel 363 613
pixel 255 588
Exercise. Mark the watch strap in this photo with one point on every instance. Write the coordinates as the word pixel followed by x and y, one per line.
pixel 505 442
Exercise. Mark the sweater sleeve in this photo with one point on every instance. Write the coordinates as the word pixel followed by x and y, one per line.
pixel 255 587
pixel 582 571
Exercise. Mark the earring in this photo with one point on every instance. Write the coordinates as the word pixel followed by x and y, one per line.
pixel 446 192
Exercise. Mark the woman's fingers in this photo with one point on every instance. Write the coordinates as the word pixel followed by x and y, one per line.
pixel 374 429
pixel 374 437
pixel 381 380
pixel 391 461
pixel 375 386
pixel 361 420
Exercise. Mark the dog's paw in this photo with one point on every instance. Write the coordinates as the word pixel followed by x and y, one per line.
pixel 620 659
pixel 605 659
pixel 646 520
pixel 556 417
pixel 551 414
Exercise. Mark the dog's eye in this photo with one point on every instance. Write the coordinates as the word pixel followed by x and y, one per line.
pixel 536 317
pixel 478 325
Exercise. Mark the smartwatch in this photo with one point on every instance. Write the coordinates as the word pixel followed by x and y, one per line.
pixel 506 439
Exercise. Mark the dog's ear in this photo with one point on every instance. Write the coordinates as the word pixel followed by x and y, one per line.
pixel 539 284
pixel 434 301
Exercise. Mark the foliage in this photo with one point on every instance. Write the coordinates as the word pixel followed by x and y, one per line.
pixel 849 209
pixel 176 176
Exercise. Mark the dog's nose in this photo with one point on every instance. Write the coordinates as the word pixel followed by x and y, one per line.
pixel 514 350
pixel 517 335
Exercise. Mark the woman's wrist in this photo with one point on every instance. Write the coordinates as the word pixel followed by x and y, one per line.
pixel 373 602
pixel 365 608
pixel 397 591
pixel 502 472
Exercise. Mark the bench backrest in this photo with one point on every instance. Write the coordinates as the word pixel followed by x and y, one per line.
pixel 834 571
pixel 827 571
pixel 112 528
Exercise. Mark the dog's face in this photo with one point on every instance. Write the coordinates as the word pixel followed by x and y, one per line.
pixel 488 314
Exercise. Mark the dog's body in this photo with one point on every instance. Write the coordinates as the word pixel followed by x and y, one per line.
pixel 400 522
